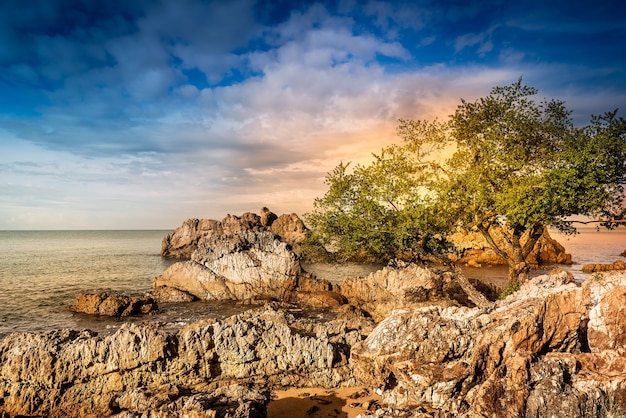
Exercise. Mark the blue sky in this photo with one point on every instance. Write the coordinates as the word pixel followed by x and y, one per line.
pixel 140 114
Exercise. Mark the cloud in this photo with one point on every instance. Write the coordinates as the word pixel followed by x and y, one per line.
pixel 146 114
pixel 483 40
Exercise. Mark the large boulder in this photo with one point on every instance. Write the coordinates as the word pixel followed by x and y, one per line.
pixel 553 349
pixel 183 241
pixel 242 265
pixel 404 286
pixel 210 368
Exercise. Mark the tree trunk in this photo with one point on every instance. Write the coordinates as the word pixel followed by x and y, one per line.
pixel 474 295
pixel 518 269
pixel 518 272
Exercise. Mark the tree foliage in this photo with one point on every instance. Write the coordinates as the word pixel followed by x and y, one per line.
pixel 504 161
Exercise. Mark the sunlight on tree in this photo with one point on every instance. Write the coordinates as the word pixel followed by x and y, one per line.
pixel 514 166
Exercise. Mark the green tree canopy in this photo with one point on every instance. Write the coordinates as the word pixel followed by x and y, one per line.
pixel 504 161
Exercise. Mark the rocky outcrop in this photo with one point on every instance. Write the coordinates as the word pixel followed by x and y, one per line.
pixel 208 369
pixel 474 251
pixel 402 287
pixel 113 304
pixel 552 349
pixel 290 229
pixel 164 294
pixel 238 258
pixel 183 242
pixel 594 268
pixel 244 265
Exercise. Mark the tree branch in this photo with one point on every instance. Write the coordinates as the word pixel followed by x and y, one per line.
pixel 599 221
pixel 492 243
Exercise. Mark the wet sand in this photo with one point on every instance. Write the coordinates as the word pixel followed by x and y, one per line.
pixel 321 403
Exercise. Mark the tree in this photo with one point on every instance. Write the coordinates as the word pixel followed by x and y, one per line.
pixel 502 163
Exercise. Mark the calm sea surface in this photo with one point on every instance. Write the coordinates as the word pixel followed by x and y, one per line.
pixel 42 271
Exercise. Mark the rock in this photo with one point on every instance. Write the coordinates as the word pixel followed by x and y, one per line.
pixel 195 279
pixel 235 401
pixel 239 266
pixel 164 294
pixel 321 298
pixel 209 368
pixel 401 287
pixel 474 250
pixel 183 242
pixel 607 322
pixel 113 304
pixel 239 258
pixel 290 229
pixel 594 268
pixel 527 356
pixel 267 217
pixel 623 254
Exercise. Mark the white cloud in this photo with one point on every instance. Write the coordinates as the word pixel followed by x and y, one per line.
pixel 136 144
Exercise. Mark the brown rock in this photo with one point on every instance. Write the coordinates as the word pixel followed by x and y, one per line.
pixel 267 217
pixel 474 250
pixel 238 266
pixel 165 294
pixel 402 287
pixel 522 358
pixel 143 371
pixel 289 228
pixel 321 298
pixel 112 304
pixel 595 268
pixel 195 279
pixel 183 242
pixel 607 322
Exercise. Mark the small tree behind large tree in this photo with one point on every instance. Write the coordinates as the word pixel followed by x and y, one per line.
pixel 503 162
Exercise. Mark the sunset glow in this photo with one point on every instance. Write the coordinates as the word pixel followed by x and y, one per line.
pixel 132 117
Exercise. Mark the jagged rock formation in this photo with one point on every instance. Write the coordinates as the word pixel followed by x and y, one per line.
pixel 208 367
pixel 239 258
pixel 474 251
pixel 406 286
pixel 551 349
pixel 238 266
pixel 113 304
pixel 594 268
pixel 182 242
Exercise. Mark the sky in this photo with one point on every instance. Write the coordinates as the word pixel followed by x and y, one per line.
pixel 140 114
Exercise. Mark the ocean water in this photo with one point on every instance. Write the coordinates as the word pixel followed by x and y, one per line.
pixel 41 272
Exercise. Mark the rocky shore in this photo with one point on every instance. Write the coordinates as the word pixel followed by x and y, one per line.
pixel 554 348
pixel 410 334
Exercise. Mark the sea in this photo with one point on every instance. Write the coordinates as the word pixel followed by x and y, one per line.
pixel 41 272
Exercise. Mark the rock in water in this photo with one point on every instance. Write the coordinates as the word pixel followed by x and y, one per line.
pixel 239 258
pixel 474 250
pixel 182 242
pixel 595 268
pixel 113 304
pixel 238 266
